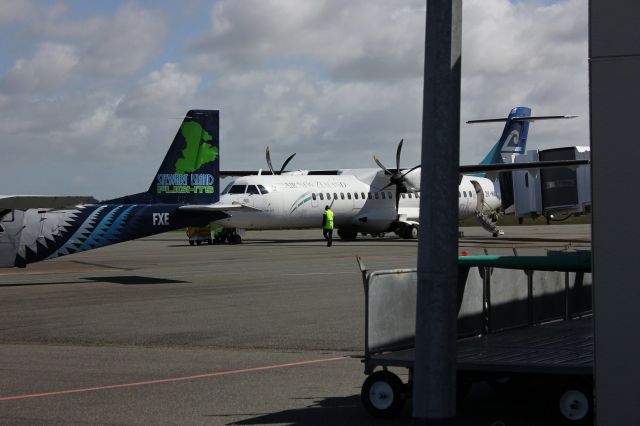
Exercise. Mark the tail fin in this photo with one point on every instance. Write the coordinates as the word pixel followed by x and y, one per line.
pixel 189 173
pixel 514 135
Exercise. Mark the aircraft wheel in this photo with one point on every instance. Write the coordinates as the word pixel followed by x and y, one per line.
pixel 382 394
pixel 575 403
pixel 191 242
pixel 198 242
pixel 410 232
pixel 235 239
pixel 345 234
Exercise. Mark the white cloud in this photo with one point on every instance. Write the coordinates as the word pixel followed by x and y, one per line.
pixel 161 92
pixel 355 40
pixel 334 81
pixel 51 66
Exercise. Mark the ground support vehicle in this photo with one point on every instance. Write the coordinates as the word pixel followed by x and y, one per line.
pixel 199 234
pixel 524 322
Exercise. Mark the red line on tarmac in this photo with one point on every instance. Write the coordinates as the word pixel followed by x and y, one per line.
pixel 172 379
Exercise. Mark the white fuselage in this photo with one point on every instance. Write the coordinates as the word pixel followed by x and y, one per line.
pixel 357 198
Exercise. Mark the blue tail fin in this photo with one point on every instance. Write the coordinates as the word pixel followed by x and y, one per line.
pixel 190 170
pixel 514 135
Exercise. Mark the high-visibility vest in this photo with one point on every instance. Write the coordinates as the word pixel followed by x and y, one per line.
pixel 328 224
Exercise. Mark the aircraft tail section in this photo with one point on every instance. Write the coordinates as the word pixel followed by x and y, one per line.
pixel 514 136
pixel 189 173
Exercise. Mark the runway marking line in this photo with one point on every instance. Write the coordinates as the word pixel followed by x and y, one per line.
pixel 172 379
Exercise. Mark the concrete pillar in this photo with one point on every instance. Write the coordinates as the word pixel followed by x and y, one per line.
pixel 434 400
pixel 614 50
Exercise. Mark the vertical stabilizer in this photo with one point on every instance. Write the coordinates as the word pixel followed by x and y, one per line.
pixel 514 135
pixel 189 173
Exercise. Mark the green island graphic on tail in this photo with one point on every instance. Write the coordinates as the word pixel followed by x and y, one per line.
pixel 195 154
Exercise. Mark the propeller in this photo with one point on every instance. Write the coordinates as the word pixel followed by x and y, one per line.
pixel 268 154
pixel 397 178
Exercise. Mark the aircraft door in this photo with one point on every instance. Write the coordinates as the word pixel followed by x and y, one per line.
pixel 480 203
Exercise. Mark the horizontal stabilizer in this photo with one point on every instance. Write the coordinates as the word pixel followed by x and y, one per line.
pixel 24 202
pixel 527 119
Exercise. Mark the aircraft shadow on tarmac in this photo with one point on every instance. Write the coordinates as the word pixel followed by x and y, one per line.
pixel 313 242
pixel 133 280
pixel 116 279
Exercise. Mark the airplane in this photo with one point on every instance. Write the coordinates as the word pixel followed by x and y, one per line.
pixel 370 200
pixel 184 192
pixel 34 228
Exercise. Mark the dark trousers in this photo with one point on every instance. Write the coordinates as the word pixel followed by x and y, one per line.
pixel 328 235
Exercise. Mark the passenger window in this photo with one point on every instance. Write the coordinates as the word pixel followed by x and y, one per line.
pixel 362 194
pixel 348 195
pixel 237 189
pixel 321 196
pixel 409 195
pixel 328 196
pixel 370 196
pixel 342 195
pixel 383 196
pixel 252 189
pixel 313 196
pixel 390 195
pixel 263 190
pixel 403 195
pixel 417 195
pixel 355 194
pixel 335 196
pixel 375 194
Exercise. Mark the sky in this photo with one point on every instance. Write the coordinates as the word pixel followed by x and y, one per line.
pixel 92 93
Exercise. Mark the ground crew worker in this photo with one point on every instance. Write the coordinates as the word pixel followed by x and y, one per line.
pixel 327 225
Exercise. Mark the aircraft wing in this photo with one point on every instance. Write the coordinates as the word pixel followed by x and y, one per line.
pixel 217 207
pixel 474 168
pixel 23 202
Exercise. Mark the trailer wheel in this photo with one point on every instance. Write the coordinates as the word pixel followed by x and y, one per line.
pixel 575 403
pixel 382 394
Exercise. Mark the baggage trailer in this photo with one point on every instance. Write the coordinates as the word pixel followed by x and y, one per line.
pixel 522 320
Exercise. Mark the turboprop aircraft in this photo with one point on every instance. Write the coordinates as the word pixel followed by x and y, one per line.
pixel 371 200
pixel 34 228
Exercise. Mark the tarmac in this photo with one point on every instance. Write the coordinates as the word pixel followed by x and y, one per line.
pixel 266 332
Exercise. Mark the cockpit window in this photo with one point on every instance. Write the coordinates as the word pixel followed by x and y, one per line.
pixel 228 187
pixel 1 229
pixel 237 189
pixel 252 189
pixel 263 190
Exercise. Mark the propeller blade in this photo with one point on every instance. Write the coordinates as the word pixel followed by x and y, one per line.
pixel 409 171
pixel 386 186
pixel 375 158
pixel 269 161
pixel 286 162
pixel 398 151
